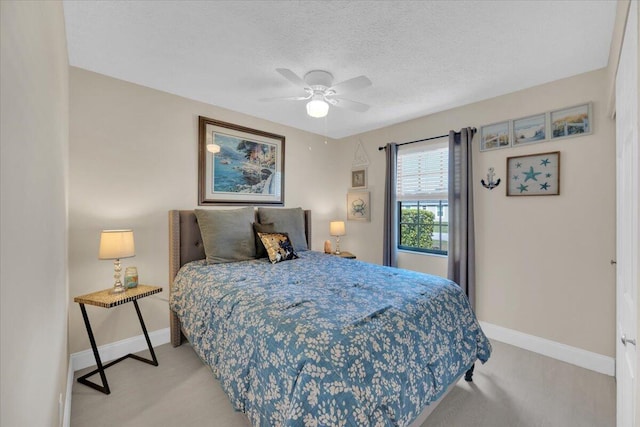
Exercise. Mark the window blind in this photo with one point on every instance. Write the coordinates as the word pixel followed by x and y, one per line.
pixel 423 172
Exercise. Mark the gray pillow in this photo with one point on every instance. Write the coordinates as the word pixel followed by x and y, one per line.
pixel 261 252
pixel 290 221
pixel 227 235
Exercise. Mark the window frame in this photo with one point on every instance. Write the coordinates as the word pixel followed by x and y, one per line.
pixel 437 223
pixel 426 201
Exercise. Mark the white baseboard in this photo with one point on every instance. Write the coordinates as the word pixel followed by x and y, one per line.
pixel 84 359
pixel 576 356
pixel 66 419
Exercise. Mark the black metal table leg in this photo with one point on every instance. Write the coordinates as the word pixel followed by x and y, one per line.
pixel 101 368
pixel 83 379
pixel 154 360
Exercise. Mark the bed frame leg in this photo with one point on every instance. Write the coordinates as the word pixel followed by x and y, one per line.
pixel 176 333
pixel 468 376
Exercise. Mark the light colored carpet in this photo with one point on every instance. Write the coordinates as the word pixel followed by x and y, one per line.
pixel 516 388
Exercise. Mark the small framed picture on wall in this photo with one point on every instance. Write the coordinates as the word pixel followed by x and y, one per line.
pixel 495 136
pixel 530 129
pixel 572 121
pixel 358 208
pixel 359 178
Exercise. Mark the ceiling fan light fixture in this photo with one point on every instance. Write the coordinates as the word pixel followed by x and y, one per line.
pixel 317 107
pixel 321 92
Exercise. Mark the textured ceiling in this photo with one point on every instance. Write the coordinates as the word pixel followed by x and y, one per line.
pixel 422 57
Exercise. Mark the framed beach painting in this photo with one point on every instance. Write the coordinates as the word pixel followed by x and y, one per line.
pixel 534 175
pixel 530 129
pixel 572 121
pixel 358 206
pixel 495 136
pixel 238 165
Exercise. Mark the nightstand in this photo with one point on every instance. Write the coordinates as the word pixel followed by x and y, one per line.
pixel 106 299
pixel 345 254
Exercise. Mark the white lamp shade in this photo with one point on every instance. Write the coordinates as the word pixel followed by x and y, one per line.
pixel 317 108
pixel 336 228
pixel 116 244
pixel 213 148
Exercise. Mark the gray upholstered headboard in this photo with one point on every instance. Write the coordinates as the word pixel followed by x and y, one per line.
pixel 185 245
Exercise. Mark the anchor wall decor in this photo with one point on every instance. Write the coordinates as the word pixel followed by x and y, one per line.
pixel 490 184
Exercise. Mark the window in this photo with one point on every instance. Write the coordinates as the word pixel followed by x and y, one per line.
pixel 422 194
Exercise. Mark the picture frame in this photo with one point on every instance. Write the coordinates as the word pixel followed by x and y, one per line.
pixel 534 174
pixel 530 129
pixel 495 136
pixel 358 206
pixel 247 170
pixel 571 121
pixel 359 178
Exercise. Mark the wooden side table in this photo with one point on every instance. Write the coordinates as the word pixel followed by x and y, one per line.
pixel 345 254
pixel 106 299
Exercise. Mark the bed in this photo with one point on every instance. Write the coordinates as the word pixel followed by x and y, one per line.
pixel 321 340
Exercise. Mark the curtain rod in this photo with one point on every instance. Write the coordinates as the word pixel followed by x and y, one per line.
pixel 420 140
pixel 417 140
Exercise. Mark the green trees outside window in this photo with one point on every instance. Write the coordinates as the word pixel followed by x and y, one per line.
pixel 423 226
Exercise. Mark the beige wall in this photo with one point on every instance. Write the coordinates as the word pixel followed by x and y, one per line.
pixel 34 152
pixel 543 262
pixel 133 157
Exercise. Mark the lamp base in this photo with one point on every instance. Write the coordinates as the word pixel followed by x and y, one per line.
pixel 118 289
pixel 337 252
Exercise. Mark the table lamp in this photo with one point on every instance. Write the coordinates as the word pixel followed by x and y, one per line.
pixel 336 228
pixel 116 244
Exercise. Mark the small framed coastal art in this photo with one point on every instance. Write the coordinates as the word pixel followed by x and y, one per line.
pixel 358 206
pixel 534 175
pixel 530 129
pixel 572 121
pixel 495 136
pixel 238 165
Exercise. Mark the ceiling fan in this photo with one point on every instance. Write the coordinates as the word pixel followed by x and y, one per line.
pixel 321 92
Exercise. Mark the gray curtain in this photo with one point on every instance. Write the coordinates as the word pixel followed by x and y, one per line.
pixel 390 242
pixel 462 262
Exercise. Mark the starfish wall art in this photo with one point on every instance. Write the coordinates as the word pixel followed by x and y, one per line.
pixel 534 175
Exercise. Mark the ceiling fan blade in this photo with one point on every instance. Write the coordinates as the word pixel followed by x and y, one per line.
pixel 349 105
pixel 285 98
pixel 351 85
pixel 292 77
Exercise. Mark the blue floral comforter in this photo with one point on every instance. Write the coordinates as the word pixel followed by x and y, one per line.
pixel 326 341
